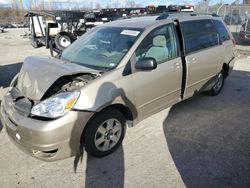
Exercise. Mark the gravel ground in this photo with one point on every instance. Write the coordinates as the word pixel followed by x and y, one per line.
pixel 201 142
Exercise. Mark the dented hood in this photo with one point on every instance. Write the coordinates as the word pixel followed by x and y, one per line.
pixel 39 73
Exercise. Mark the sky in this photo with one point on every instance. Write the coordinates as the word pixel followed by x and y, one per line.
pixel 121 3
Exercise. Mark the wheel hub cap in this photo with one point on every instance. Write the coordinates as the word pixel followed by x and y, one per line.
pixel 108 134
pixel 219 82
pixel 64 42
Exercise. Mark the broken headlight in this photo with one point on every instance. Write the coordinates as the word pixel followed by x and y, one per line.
pixel 56 106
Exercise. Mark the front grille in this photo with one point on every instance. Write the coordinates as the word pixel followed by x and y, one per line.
pixel 15 93
pixel 21 103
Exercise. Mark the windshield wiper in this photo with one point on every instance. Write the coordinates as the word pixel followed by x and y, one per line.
pixel 95 67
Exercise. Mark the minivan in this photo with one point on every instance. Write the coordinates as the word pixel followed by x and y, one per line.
pixel 114 76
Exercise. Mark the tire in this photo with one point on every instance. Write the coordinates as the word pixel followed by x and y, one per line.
pixel 219 83
pixel 63 40
pixel 36 44
pixel 104 133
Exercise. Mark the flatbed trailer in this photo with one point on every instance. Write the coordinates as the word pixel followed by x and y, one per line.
pixel 58 29
pixel 55 29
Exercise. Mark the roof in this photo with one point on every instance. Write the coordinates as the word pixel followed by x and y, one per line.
pixel 186 16
pixel 145 21
pixel 134 22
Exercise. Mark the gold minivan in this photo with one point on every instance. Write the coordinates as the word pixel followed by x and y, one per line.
pixel 112 77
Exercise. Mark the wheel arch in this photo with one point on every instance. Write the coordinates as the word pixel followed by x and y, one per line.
pixel 120 107
pixel 225 69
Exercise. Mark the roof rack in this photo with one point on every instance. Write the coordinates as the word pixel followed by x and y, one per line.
pixel 174 14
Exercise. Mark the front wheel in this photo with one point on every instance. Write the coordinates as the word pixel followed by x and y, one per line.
pixel 217 87
pixel 105 133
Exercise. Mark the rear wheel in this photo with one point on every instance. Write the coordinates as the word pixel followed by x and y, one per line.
pixel 217 87
pixel 105 133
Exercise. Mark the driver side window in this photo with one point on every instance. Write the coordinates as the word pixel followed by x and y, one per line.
pixel 159 44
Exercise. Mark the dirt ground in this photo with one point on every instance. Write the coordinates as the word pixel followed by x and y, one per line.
pixel 201 142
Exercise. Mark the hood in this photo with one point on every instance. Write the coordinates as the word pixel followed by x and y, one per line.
pixel 39 73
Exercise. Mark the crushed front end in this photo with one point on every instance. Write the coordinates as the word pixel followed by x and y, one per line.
pixel 43 136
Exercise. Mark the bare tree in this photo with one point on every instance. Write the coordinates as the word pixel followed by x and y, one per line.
pixel 98 6
pixel 131 4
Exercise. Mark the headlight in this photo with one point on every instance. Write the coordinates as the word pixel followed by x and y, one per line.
pixel 56 106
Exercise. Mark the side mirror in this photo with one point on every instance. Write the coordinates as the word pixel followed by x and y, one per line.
pixel 147 63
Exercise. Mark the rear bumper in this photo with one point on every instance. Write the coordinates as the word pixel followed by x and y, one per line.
pixel 48 140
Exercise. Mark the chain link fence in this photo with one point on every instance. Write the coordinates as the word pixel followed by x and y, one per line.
pixel 233 15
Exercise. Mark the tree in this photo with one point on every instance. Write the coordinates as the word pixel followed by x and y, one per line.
pixel 130 4
pixel 98 6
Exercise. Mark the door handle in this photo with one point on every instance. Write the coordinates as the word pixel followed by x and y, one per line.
pixel 177 65
pixel 192 60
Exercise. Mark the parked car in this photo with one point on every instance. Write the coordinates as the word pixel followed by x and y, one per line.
pixel 233 19
pixel 1 28
pixel 114 76
pixel 244 34
pixel 9 25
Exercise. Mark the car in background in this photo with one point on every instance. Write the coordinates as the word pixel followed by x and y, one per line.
pixel 233 19
pixel 244 34
pixel 9 25
pixel 2 28
pixel 21 24
pixel 26 24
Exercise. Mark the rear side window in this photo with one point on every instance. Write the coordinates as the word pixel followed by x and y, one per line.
pixel 223 33
pixel 198 35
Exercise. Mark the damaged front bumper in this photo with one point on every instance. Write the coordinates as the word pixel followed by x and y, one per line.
pixel 48 140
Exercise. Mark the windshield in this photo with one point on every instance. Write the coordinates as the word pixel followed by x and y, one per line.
pixel 102 49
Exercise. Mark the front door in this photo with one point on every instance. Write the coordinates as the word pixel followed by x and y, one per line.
pixel 161 87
